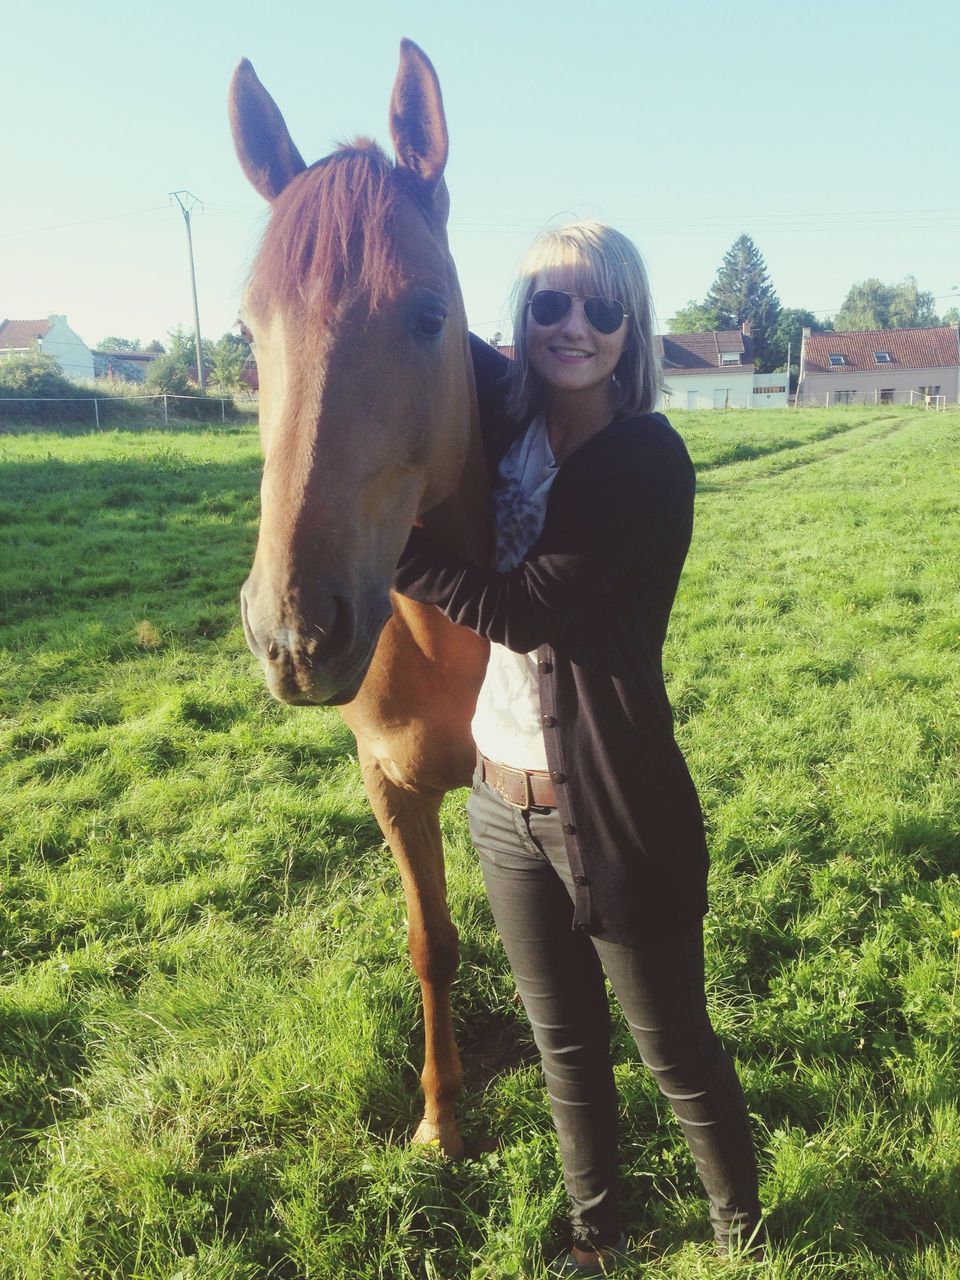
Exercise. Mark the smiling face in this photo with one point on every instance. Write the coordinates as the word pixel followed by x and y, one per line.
pixel 571 357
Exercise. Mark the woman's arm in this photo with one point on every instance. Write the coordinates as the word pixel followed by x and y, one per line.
pixel 616 509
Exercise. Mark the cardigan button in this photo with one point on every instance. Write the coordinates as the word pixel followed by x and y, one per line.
pixel 582 927
pixel 548 722
pixel 569 829
pixel 545 667
pixel 580 880
pixel 559 777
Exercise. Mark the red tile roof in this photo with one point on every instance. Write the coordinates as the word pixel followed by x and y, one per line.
pixel 908 349
pixel 23 333
pixel 700 352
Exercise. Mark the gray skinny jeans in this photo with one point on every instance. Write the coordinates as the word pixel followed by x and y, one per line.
pixel 660 986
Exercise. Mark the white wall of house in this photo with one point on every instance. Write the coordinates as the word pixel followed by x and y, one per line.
pixel 717 389
pixel 69 350
pixel 770 390
pixel 898 386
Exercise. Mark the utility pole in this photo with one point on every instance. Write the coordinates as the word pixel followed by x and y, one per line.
pixel 186 200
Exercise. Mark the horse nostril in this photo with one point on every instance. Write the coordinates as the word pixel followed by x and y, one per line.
pixel 273 651
pixel 335 634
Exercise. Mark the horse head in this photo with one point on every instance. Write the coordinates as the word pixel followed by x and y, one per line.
pixel 366 385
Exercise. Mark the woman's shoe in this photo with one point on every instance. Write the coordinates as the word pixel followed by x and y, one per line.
pixel 593 1262
pixel 745 1248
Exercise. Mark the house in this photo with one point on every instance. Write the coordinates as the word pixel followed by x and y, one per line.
pixel 880 366
pixel 122 366
pixel 716 371
pixel 53 337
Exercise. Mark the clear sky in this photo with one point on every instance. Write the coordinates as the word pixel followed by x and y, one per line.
pixel 827 131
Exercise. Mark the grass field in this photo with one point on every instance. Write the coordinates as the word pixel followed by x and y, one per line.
pixel 209 1033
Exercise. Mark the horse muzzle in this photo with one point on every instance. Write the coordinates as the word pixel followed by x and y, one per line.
pixel 314 652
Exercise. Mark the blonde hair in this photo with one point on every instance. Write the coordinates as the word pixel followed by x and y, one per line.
pixel 608 264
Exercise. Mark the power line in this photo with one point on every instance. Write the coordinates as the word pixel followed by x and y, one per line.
pixel 83 222
pixel 687 224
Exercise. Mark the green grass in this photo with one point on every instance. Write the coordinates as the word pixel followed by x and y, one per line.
pixel 210 1033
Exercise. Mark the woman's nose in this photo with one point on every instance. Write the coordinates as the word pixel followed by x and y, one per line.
pixel 575 321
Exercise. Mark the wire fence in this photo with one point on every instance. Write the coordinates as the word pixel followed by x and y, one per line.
pixel 166 404
pixel 933 400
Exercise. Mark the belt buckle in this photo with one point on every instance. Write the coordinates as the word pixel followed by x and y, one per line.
pixel 520 773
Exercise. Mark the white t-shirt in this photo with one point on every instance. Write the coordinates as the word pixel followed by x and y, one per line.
pixel 506 725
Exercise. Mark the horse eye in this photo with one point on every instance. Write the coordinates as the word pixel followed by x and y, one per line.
pixel 245 333
pixel 430 321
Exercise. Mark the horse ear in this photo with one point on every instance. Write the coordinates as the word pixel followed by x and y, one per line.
pixel 265 149
pixel 418 126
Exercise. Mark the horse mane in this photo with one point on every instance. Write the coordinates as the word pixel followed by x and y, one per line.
pixel 333 230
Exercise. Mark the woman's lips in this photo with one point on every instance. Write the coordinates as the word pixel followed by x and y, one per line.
pixel 570 355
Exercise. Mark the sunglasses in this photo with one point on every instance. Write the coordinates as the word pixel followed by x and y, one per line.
pixel 549 306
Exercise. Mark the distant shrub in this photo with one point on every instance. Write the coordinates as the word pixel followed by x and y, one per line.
pixel 168 373
pixel 33 375
pixel 39 375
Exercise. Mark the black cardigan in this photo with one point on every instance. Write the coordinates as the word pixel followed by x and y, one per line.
pixel 593 597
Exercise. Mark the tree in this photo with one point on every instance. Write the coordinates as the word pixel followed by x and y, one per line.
pixel 742 291
pixel 871 304
pixel 695 317
pixel 788 331
pixel 180 358
pixel 229 357
pixel 168 373
pixel 118 344
pixel 156 347
pixel 181 348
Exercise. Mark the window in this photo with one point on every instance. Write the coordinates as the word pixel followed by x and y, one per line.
pixel 886 395
pixel 930 391
pixel 844 397
pixel 882 357
pixel 729 357
pixel 836 358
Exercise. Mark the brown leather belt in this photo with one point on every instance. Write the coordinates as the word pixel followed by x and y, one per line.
pixel 518 787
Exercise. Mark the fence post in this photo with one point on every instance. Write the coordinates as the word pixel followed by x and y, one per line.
pixel 166 416
pixel 223 412
pixel 96 412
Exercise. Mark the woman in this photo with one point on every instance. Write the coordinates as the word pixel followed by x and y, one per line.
pixel 585 818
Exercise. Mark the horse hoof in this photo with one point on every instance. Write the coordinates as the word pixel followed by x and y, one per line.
pixel 444 1137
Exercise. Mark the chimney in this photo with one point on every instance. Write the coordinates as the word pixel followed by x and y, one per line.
pixel 806 331
pixel 745 328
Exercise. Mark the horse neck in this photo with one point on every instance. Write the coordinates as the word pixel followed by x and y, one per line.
pixel 462 521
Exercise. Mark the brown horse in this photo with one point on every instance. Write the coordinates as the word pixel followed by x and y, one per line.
pixel 368 419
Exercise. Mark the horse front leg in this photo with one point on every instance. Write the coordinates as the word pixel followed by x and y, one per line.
pixel 410 823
